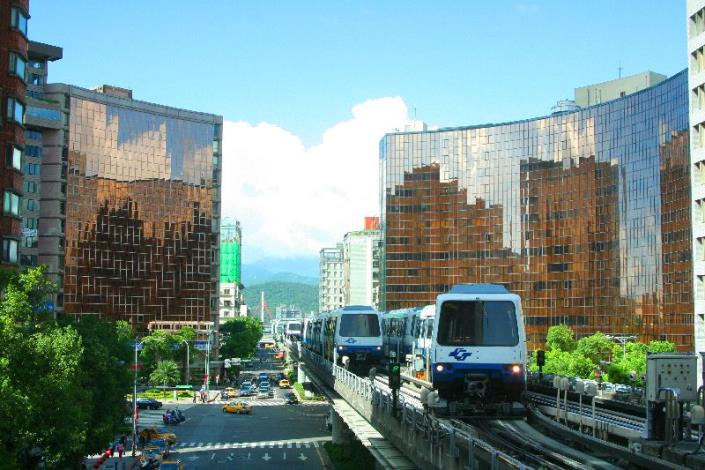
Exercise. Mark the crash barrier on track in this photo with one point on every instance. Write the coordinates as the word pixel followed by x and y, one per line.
pixel 428 441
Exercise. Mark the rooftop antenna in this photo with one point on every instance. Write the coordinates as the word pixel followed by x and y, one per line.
pixel 620 69
pixel 414 113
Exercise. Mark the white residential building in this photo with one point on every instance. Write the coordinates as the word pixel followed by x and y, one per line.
pixel 330 283
pixel 696 85
pixel 361 267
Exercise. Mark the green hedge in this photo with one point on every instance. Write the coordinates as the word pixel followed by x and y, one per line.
pixel 349 456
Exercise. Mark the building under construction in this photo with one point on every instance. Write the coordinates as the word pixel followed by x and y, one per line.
pixel 231 288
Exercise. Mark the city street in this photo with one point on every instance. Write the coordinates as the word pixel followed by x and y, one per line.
pixel 274 436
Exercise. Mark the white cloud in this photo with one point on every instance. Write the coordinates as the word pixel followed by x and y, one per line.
pixel 293 200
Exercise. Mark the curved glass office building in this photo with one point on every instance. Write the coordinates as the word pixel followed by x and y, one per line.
pixel 584 214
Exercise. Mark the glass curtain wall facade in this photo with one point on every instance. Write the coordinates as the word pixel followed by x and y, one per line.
pixel 585 215
pixel 142 210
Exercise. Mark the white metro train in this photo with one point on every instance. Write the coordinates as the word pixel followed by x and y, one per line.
pixel 478 345
pixel 349 335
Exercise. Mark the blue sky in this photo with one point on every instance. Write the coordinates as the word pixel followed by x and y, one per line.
pixel 293 72
pixel 304 64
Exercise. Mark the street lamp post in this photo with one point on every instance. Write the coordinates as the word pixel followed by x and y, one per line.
pixel 188 370
pixel 134 403
pixel 208 364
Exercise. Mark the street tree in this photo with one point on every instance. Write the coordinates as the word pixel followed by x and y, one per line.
pixel 42 413
pixel 165 373
pixel 597 347
pixel 239 337
pixel 105 378
pixel 560 338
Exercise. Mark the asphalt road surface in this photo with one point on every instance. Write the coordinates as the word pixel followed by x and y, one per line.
pixel 274 436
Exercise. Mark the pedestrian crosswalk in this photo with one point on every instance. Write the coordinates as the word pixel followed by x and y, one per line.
pixel 285 444
pixel 149 418
pixel 279 402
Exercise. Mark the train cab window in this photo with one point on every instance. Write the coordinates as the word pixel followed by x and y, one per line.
pixel 477 323
pixel 359 325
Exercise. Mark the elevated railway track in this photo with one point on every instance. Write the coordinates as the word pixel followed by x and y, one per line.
pixel 431 441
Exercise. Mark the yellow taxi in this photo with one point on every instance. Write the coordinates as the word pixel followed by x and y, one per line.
pixel 230 392
pixel 171 465
pixel 238 407
pixel 284 383
pixel 152 433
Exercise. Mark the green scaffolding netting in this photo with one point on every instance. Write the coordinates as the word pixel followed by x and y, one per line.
pixel 229 262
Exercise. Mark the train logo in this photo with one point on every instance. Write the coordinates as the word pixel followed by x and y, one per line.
pixel 460 354
pixel 351 341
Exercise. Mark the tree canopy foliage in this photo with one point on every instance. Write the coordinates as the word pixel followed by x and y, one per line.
pixel 239 337
pixel 165 373
pixel 63 382
pixel 613 361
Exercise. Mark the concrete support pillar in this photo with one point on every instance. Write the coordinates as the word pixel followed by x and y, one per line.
pixel 301 375
pixel 340 435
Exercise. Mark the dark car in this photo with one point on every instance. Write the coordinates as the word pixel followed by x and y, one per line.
pixel 291 398
pixel 148 404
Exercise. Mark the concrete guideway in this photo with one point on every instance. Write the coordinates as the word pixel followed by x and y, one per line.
pixel 381 449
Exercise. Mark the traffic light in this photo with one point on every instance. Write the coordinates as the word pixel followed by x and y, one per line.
pixel 394 376
pixel 540 358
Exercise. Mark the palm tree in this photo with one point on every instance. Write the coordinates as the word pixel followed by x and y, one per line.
pixel 166 373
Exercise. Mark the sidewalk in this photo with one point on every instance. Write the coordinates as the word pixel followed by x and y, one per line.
pixel 124 463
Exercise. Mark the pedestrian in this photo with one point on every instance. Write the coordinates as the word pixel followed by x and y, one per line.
pixel 142 440
pixel 120 449
pixel 194 397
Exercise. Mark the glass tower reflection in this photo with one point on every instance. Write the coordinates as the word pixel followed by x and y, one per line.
pixel 142 208
pixel 583 214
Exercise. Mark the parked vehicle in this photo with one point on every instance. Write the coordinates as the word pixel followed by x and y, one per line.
pixel 171 417
pixel 284 383
pixel 148 404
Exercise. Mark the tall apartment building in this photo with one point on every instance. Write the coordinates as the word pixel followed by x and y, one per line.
pixel 43 163
pixel 14 17
pixel 361 266
pixel 331 278
pixel 231 288
pixel 696 88
pixel 583 213
pixel 130 206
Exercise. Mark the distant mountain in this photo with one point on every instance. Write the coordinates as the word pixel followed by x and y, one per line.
pixel 304 296
pixel 300 270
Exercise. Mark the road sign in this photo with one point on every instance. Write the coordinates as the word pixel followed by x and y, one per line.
pixel 136 366
pixel 236 361
pixel 137 345
pixel 200 345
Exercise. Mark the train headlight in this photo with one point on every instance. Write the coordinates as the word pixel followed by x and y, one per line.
pixel 516 369
pixel 340 348
pixel 440 368
pixel 379 348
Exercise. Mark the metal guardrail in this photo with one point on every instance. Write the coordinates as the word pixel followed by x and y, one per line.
pixel 430 442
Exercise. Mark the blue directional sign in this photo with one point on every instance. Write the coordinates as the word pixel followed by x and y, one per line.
pixel 200 345
pixel 137 345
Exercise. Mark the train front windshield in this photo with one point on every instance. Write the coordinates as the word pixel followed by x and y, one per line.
pixel 477 323
pixel 364 325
